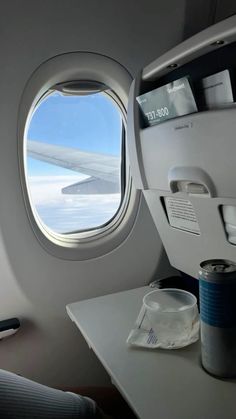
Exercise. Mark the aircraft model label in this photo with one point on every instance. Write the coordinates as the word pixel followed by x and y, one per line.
pixel 167 102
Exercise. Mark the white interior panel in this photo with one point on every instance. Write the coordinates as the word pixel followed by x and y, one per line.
pixel 35 286
pixel 190 142
pixel 190 158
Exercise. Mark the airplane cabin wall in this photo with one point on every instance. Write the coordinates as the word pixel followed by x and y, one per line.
pixel 225 9
pixel 34 285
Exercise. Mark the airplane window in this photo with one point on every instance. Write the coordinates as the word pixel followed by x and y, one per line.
pixel 73 160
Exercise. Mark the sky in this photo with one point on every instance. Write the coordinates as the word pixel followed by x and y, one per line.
pixel 90 123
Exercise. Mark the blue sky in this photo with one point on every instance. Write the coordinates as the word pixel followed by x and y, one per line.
pixel 90 123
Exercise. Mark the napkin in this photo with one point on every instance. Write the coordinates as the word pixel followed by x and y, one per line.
pixel 142 334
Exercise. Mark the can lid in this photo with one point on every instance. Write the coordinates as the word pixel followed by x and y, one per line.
pixel 218 266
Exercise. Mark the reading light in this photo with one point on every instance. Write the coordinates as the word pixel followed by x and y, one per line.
pixel 218 43
pixel 174 65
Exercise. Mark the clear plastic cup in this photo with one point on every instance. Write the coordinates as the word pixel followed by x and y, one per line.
pixel 173 315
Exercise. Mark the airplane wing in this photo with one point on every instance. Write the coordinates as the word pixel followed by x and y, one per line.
pixel 103 169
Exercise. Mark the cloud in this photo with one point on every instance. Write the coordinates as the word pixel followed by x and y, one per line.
pixel 68 213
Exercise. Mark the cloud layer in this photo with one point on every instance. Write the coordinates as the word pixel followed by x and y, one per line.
pixel 68 213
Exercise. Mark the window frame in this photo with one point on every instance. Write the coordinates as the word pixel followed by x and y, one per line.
pixel 58 70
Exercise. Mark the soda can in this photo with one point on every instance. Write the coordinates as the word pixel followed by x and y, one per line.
pixel 217 289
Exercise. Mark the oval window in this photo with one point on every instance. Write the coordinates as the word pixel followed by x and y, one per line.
pixel 74 158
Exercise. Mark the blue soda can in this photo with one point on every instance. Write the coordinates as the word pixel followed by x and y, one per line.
pixel 217 285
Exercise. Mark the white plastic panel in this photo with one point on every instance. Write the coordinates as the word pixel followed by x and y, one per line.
pixel 35 285
pixel 192 158
pixel 184 249
pixel 197 141
pixel 194 47
pixel 229 218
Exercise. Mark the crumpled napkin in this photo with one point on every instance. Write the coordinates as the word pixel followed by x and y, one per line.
pixel 143 335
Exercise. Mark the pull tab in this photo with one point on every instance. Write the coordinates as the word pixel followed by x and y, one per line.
pixel 219 268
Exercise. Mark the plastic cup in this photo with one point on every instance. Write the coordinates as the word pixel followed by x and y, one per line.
pixel 172 314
